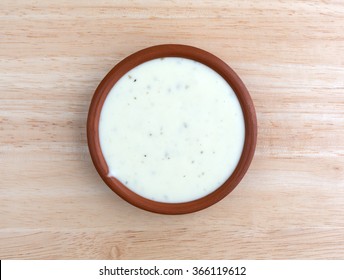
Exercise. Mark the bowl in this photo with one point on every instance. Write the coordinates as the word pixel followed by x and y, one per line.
pixel 162 51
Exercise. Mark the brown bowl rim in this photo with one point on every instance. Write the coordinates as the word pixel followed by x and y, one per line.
pixel 184 51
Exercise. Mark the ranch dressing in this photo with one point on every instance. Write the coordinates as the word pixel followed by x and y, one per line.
pixel 172 130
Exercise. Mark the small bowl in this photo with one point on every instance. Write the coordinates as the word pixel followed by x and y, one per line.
pixel 172 50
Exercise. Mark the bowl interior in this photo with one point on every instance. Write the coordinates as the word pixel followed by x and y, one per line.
pixel 183 51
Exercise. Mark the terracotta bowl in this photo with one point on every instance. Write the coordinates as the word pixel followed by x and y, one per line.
pixel 183 51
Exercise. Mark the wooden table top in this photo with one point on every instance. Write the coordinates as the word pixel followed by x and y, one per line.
pixel 290 55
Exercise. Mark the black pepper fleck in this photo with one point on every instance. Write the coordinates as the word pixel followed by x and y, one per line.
pixel 135 80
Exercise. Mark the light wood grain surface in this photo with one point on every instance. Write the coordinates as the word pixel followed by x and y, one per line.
pixel 53 54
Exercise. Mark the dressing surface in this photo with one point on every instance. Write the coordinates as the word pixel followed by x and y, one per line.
pixel 172 130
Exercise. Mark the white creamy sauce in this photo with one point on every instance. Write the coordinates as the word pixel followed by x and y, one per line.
pixel 172 130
